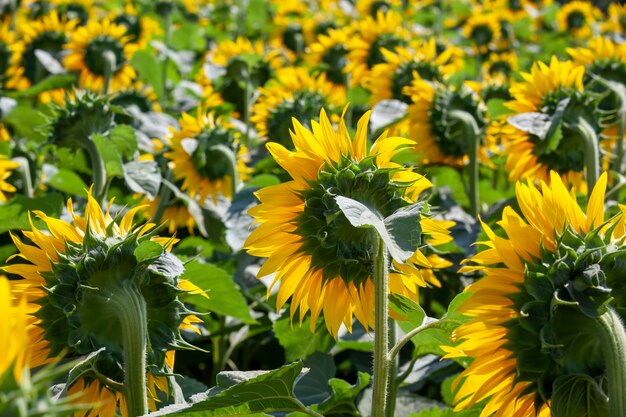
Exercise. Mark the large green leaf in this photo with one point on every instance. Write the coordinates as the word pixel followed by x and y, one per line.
pixel 265 393
pixel 297 339
pixel 225 297
pixel 149 69
pixel 400 231
pixel 407 308
pixel 578 395
pixel 143 177
pixel 124 139
pixel 110 156
pixel 14 214
pixel 69 182
pixel 52 82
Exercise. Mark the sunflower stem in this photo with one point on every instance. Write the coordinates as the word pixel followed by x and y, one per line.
pixel 381 331
pixel 613 337
pixel 167 40
pixel 393 370
pixel 109 68
pixel 24 170
pixel 471 133
pixel 130 309
pixel 591 151
pixel 98 170
pixel 619 158
pixel 165 196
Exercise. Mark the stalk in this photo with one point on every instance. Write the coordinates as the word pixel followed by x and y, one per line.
pixel 613 337
pixel 381 331
pixel 98 170
pixel 393 370
pixel 167 23
pixel 619 159
pixel 471 133
pixel 24 171
pixel 591 151
pixel 109 69
pixel 129 307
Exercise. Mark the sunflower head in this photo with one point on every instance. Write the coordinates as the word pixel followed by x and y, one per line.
pixel 98 48
pixel 552 273
pixel 295 94
pixel 323 262
pixel 207 156
pixel 602 57
pixel 139 29
pixel 482 29
pixel 6 169
pixel 81 275
pixel 82 115
pixel 438 140
pixel 79 10
pixel 329 54
pixel 578 18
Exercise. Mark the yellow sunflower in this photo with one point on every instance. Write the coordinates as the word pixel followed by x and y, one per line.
pixel 321 261
pixel 616 21
pixel 372 7
pixel 73 271
pixel 225 51
pixel 14 327
pixel 328 54
pixel 81 10
pixel 542 89
pixel 295 93
pixel 198 158
pixel 370 36
pixel 500 67
pixel 176 215
pixel 86 50
pixel 527 329
pixel 388 79
pixel 49 34
pixel 6 169
pixel 10 50
pixel 578 18
pixel 602 56
pixel 483 29
pixel 140 29
pixel 429 124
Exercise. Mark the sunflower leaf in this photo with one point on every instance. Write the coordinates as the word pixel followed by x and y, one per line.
pixel 249 394
pixel 578 395
pixel 143 177
pixel 399 231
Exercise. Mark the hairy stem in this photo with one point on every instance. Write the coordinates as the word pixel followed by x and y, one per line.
pixel 381 331
pixel 613 338
pixel 472 135
pixel 591 151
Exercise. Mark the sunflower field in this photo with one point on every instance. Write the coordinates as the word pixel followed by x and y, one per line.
pixel 292 208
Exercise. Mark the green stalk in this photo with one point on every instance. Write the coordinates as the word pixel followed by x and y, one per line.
pixel 167 23
pixel 393 370
pixel 109 69
pixel 381 331
pixel 591 151
pixel 24 171
pixel 129 307
pixel 98 170
pixel 164 198
pixel 471 133
pixel 619 158
pixel 246 108
pixel 613 337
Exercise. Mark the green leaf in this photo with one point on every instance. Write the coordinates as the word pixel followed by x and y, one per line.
pixel 578 396
pixel 496 108
pixel 224 295
pixel 166 265
pixel 535 123
pixel 147 251
pixel 447 412
pixel 52 82
pixel 297 339
pixel 266 393
pixel 143 177
pixel 83 366
pixel 14 214
pixel 400 231
pixel 263 180
pixel 68 182
pixel 125 140
pixel 312 387
pixel 343 396
pixel 27 122
pixel 110 156
pixel 407 308
pixel 149 69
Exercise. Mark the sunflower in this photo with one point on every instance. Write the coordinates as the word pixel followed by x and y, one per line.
pixel 198 158
pixel 387 80
pixel 541 91
pixel 329 54
pixel 500 68
pixel 81 10
pixel 6 169
pixel 603 57
pixel 321 260
pixel 86 50
pixel 75 281
pixel 294 94
pixel 139 29
pixel 370 36
pixel 616 21
pixel 10 50
pixel 139 96
pixel 578 18
pixel 483 29
pixel 529 331
pixel 372 7
pixel 15 352
pixel 49 34
pixel 176 215
pixel 429 122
